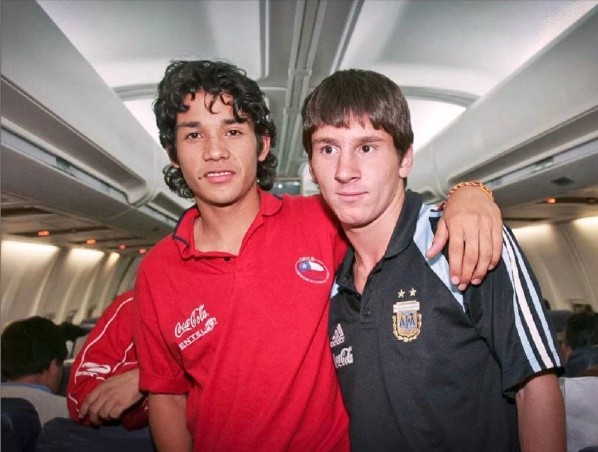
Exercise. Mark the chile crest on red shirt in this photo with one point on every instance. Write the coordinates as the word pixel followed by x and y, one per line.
pixel 312 270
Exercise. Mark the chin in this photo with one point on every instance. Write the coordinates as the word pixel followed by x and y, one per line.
pixel 224 198
pixel 350 222
pixel 353 218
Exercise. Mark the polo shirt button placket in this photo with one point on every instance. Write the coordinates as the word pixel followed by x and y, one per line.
pixel 367 312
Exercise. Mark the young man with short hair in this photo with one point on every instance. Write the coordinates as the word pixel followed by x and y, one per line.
pixel 233 307
pixel 422 365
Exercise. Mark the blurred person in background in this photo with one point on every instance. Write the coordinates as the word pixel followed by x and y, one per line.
pixel 33 351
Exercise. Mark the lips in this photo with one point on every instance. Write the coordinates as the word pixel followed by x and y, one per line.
pixel 218 173
pixel 221 176
pixel 350 195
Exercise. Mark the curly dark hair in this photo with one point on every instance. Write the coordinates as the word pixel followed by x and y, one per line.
pixel 215 78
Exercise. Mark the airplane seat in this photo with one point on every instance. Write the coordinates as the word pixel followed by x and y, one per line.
pixel 79 342
pixel 66 373
pixel 89 323
pixel 20 425
pixel 68 363
pixel 581 411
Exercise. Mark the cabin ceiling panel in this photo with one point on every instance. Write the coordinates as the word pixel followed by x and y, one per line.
pixel 464 47
pixel 468 46
pixel 279 21
pixel 148 34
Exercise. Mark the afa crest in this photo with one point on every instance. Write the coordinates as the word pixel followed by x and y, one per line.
pixel 407 320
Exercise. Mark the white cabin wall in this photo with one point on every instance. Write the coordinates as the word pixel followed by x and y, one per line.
pixel 584 236
pixel 100 292
pixel 564 257
pixel 25 269
pixel 60 282
pixel 127 281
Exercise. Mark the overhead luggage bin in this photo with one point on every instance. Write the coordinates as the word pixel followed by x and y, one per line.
pixel 54 100
pixel 523 121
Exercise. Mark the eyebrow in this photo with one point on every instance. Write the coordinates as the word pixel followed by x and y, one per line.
pixel 323 140
pixel 196 124
pixel 360 140
pixel 190 124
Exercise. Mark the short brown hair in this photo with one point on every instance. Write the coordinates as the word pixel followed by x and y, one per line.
pixel 359 94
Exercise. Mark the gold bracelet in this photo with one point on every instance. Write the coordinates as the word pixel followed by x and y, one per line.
pixel 473 183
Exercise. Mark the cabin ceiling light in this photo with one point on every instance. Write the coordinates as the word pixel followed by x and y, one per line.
pixel 586 200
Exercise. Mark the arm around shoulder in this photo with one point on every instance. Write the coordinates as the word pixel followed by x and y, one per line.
pixel 473 223
pixel 541 415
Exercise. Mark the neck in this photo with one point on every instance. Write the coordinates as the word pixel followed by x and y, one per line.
pixel 371 241
pixel 36 379
pixel 222 228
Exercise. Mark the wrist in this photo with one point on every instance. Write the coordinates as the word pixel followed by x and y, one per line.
pixel 475 184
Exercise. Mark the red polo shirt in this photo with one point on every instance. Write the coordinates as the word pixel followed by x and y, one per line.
pixel 246 336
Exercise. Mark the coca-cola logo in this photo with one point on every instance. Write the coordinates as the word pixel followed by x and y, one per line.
pixel 344 358
pixel 197 316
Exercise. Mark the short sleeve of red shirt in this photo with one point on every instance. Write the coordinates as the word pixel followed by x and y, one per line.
pixel 108 351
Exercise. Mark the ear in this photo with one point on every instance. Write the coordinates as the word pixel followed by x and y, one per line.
pixel 53 376
pixel 172 157
pixel 406 163
pixel 566 352
pixel 265 148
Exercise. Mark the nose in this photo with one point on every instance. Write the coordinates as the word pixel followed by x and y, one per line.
pixel 215 149
pixel 346 167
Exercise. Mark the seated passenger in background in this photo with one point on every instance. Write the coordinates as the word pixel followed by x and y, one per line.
pixel 33 351
pixel 103 392
pixel 580 346
pixel 104 381
pixel 559 319
pixel 580 384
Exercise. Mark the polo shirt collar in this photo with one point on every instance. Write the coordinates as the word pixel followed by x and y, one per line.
pixel 401 238
pixel 183 232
